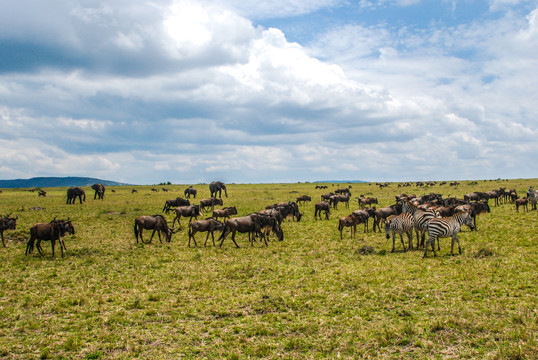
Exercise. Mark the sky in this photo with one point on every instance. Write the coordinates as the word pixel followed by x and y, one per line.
pixel 249 91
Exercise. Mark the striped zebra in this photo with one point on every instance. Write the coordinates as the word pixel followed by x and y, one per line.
pixel 532 197
pixel 421 219
pixel 403 223
pixel 447 227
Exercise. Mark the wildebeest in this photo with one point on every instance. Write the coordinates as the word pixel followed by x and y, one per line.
pixel 522 202
pixel 210 203
pixel 474 209
pixel 7 223
pixel 157 223
pixel 251 224
pixel 286 209
pixel 42 193
pixel 74 192
pixel 191 211
pixel 363 201
pixel 363 215
pixel 99 191
pixel 384 212
pixel 303 199
pixel 190 191
pixel 55 230
pixel 348 221
pixel 208 225
pixel 224 212
pixel 169 204
pixel 322 206
pixel 217 187
pixel 133 191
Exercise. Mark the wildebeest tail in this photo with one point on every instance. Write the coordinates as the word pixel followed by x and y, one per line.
pixel 136 230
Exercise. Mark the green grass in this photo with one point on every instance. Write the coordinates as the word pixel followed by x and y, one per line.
pixel 310 296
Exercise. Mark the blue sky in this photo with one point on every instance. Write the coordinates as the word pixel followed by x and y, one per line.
pixel 282 91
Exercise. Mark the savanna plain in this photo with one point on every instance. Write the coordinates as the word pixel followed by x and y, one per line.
pixel 309 296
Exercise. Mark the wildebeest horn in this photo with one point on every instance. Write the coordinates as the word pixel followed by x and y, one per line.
pixel 68 219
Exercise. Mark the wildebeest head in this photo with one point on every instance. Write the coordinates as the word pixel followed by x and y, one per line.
pixel 8 223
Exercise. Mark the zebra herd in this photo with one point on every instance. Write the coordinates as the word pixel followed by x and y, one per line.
pixel 422 221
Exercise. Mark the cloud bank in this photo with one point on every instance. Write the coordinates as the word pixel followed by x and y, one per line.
pixel 189 92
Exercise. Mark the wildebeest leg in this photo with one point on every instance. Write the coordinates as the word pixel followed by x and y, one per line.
pixel 193 239
pixel 233 238
pixel 207 238
pixel 60 241
pixel 53 244
pixel 3 243
pixel 39 248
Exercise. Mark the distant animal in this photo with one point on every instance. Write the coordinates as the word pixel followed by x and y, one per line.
pixel 322 206
pixel 164 189
pixel 217 187
pixel 42 193
pixel 224 212
pixel 447 227
pixel 348 221
pixel 363 215
pixel 474 209
pixel 169 204
pixel 133 191
pixel 73 193
pixel 523 202
pixel 532 197
pixel 285 210
pixel 190 191
pixel 400 224
pixel 367 201
pixel 384 212
pixel 157 223
pixel 99 191
pixel 208 225
pixel 191 211
pixel 7 223
pixel 154 190
pixel 205 204
pixel 54 230
pixel 303 199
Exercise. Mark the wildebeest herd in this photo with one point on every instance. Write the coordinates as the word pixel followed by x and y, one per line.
pixel 429 214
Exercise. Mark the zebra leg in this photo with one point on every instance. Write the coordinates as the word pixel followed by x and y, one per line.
pixel 403 243
pixel 393 241
pixel 410 237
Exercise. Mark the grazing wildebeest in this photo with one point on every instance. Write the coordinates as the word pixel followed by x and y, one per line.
pixel 327 196
pixel 268 224
pixel 348 221
pixel 154 190
pixel 164 189
pixel 191 211
pixel 133 191
pixel 217 187
pixel 42 193
pixel 322 206
pixel 522 202
pixel 190 191
pixel 99 191
pixel 303 199
pixel 55 230
pixel 224 212
pixel 447 227
pixel 286 209
pixel 157 223
pixel 208 225
pixel 205 204
pixel 251 224
pixel 364 215
pixel 7 223
pixel 169 204
pixel 74 192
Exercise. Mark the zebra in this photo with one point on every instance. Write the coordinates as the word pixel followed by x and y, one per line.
pixel 421 219
pixel 532 196
pixel 403 223
pixel 447 227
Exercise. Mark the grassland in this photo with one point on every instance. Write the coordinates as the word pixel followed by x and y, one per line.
pixel 309 296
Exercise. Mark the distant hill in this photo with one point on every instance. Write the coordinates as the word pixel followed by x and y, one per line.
pixel 340 181
pixel 45 182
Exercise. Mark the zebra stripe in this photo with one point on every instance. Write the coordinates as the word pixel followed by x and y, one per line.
pixel 403 223
pixel 447 227
pixel 421 218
